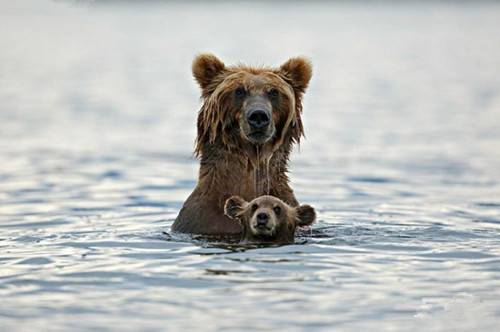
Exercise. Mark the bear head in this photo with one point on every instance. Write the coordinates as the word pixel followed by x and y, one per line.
pixel 244 106
pixel 267 219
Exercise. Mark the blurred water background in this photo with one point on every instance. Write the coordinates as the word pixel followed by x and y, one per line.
pixel 401 161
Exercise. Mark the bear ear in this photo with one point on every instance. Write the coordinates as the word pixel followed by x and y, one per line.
pixel 234 207
pixel 297 72
pixel 205 68
pixel 305 215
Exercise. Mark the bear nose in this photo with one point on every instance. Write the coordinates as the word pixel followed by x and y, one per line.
pixel 258 119
pixel 262 219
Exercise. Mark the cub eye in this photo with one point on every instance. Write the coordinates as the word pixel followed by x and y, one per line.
pixel 277 210
pixel 274 93
pixel 240 92
pixel 254 207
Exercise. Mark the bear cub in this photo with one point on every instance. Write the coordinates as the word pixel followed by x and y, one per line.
pixel 267 219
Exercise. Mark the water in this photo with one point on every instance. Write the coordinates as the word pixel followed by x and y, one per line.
pixel 401 161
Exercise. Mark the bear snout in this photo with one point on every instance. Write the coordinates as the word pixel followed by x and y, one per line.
pixel 262 219
pixel 258 119
pixel 257 122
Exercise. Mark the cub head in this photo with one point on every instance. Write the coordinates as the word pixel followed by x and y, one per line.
pixel 246 106
pixel 268 219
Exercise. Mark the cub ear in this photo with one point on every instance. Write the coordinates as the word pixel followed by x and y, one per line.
pixel 305 215
pixel 297 72
pixel 205 68
pixel 234 207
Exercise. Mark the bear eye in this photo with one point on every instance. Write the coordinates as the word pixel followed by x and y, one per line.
pixel 277 210
pixel 240 92
pixel 254 208
pixel 274 93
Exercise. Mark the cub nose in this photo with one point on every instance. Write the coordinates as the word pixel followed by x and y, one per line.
pixel 262 219
pixel 258 118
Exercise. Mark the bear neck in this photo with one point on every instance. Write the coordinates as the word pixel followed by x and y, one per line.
pixel 248 172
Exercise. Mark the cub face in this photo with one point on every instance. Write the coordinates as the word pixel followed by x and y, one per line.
pixel 267 219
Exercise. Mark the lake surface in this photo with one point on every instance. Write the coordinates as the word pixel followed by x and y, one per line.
pixel 401 161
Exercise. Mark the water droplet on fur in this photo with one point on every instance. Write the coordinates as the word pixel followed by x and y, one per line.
pixel 257 173
pixel 268 161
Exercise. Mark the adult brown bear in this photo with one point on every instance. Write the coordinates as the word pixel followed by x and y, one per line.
pixel 247 124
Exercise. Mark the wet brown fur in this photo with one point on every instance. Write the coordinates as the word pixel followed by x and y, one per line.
pixel 229 164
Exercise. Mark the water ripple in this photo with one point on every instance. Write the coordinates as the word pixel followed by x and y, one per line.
pixel 401 162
